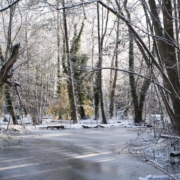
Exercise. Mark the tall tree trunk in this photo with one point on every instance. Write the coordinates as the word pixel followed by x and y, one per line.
pixel 79 62
pixel 100 48
pixel 133 85
pixel 112 93
pixel 70 78
pixel 95 80
pixel 96 95
pixel 58 52
pixel 138 103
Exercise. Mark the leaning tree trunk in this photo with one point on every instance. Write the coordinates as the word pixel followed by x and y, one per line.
pixel 8 53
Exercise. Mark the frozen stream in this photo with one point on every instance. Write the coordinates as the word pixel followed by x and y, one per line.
pixel 72 154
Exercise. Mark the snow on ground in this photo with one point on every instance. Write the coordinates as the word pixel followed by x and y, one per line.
pixel 48 122
pixel 162 177
pixel 90 123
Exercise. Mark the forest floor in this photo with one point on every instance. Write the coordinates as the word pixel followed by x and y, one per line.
pixel 120 151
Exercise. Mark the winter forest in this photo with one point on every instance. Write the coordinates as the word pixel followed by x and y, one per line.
pixel 74 60
pixel 94 59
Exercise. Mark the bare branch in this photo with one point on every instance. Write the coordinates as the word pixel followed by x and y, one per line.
pixel 10 5
pixel 128 23
pixel 130 72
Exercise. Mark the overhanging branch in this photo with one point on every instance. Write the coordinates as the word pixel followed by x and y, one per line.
pixel 130 72
pixel 10 5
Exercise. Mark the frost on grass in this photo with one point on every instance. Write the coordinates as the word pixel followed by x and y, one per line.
pixel 154 149
pixel 9 135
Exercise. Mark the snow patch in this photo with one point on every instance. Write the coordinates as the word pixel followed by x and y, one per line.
pixel 160 177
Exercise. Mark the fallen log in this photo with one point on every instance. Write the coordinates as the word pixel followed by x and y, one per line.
pixel 93 126
pixel 175 154
pixel 55 126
